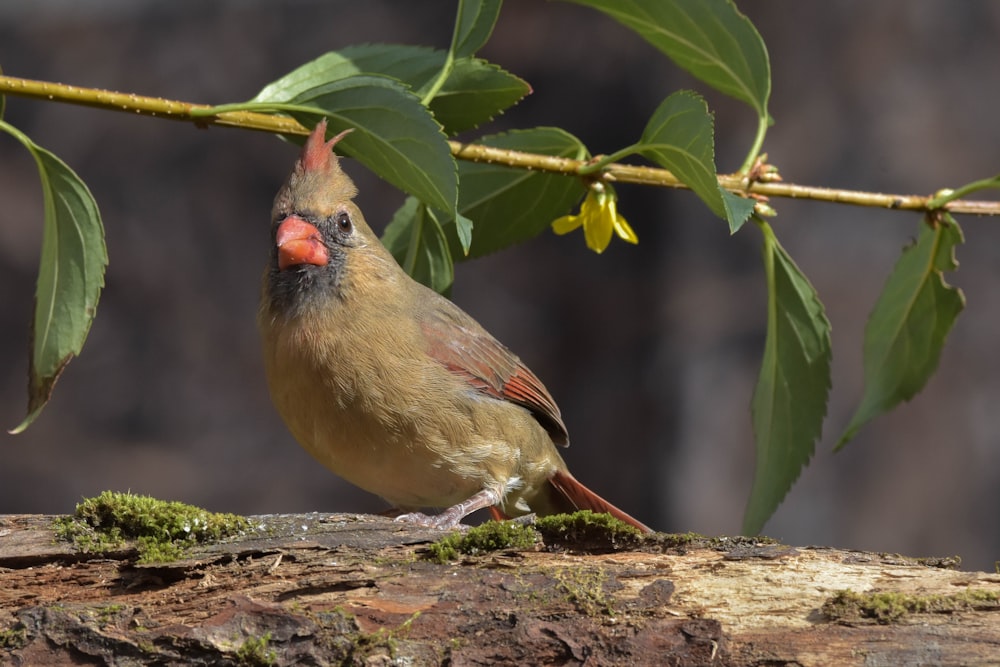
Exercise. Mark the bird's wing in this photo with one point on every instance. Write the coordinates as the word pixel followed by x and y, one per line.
pixel 455 340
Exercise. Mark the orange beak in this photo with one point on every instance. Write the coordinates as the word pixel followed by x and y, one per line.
pixel 299 243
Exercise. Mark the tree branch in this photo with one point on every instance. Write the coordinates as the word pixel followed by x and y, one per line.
pixel 621 173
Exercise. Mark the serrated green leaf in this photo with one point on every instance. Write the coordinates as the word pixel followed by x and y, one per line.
pixel 710 39
pixel 474 25
pixel 394 135
pixel 327 68
pixel 738 210
pixel 415 66
pixel 909 324
pixel 680 137
pixel 789 402
pixel 416 239
pixel 70 274
pixel 474 92
pixel 513 205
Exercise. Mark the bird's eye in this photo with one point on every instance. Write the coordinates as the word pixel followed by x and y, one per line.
pixel 344 223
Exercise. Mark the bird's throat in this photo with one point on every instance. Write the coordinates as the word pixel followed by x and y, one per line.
pixel 299 290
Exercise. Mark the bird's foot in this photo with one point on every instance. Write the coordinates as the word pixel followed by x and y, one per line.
pixel 451 517
pixel 443 521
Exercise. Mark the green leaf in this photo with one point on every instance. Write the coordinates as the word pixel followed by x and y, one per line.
pixel 738 210
pixel 908 326
pixel 473 25
pixel 329 67
pixel 710 39
pixel 513 205
pixel 475 92
pixel 507 205
pixel 416 239
pixel 463 229
pixel 789 402
pixel 415 66
pixel 70 274
pixel 394 135
pixel 680 137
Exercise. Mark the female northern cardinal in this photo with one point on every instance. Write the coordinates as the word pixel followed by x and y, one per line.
pixel 390 385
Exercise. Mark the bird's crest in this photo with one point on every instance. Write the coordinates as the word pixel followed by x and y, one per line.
pixel 317 154
pixel 319 166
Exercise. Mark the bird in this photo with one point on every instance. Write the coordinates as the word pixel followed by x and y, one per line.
pixel 390 385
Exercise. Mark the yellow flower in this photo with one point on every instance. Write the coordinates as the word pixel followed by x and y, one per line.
pixel 599 217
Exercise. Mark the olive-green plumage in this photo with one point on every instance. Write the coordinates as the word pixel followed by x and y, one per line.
pixel 387 383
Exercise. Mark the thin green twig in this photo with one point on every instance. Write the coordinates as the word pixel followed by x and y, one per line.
pixel 621 173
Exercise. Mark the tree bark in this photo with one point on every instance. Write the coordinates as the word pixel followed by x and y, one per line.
pixel 323 589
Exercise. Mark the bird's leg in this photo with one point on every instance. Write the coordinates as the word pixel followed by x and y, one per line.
pixel 454 514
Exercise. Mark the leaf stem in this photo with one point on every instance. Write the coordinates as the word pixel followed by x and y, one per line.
pixel 622 173
pixel 763 122
pixel 449 63
pixel 945 196
pixel 605 160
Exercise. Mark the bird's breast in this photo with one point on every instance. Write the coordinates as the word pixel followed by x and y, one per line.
pixel 366 401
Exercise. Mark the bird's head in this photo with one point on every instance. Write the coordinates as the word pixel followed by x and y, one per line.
pixel 315 227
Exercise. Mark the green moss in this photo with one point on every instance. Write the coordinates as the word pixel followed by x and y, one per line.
pixel 889 607
pixel 108 613
pixel 161 530
pixel 368 645
pixel 345 643
pixel 683 542
pixel 255 652
pixel 585 589
pixel 13 638
pixel 491 536
pixel 586 528
pixel 674 540
pixel 146 646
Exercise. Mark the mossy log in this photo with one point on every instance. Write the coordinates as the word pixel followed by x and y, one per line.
pixel 323 589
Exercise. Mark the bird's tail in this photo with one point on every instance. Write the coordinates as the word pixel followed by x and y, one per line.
pixel 569 495
pixel 564 494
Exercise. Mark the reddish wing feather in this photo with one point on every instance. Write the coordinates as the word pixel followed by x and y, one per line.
pixel 470 352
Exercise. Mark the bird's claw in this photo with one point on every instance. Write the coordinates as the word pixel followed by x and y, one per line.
pixel 442 521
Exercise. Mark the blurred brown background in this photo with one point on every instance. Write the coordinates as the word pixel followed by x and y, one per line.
pixel 652 351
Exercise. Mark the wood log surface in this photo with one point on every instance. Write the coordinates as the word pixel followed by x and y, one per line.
pixel 331 589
